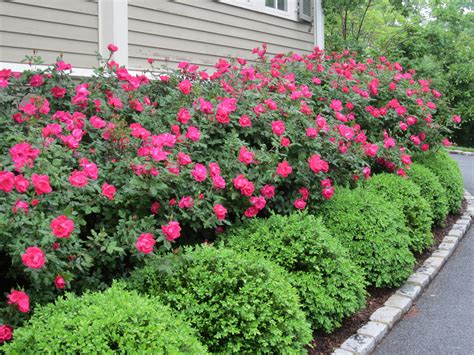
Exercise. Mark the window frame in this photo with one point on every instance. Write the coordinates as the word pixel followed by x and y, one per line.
pixel 259 6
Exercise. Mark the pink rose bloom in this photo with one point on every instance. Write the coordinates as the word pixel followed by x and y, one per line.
pixel 59 282
pixel 218 182
pixel 328 192
pixel 278 127
pixel 239 182
pixel 456 119
pixel 58 92
pixel 251 212
pixel 199 172
pixel 258 201
pixel 33 257
pixel 220 211
pixel 186 202
pixel 284 169
pixel 6 333
pixel 214 169
pixel 109 191
pixel 78 178
pixel 112 47
pixel 311 132
pixel 185 87
pixel 245 156
pixel 245 121
pixel 7 181
pixel 62 227
pixel 183 116
pixel 97 122
pixel 371 150
pixel 336 105
pixel 285 142
pixel 304 193
pixel 268 191
pixel 184 159
pixel 36 80
pixel 300 204
pixel 41 184
pixel 155 207
pixel 90 169
pixel 248 189
pixel 171 231
pixel 406 159
pixel 20 299
pixel 193 134
pixel 145 243
pixel 20 205
pixel 317 164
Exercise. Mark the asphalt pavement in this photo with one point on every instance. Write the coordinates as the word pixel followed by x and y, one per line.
pixel 442 320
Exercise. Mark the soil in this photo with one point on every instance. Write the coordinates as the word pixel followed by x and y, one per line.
pixel 326 343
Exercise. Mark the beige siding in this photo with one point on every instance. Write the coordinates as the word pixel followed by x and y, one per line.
pixel 51 27
pixel 203 31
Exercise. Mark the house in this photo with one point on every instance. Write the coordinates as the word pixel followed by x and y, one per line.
pixel 169 31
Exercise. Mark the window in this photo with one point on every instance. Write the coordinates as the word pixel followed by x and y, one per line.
pixel 282 8
pixel 281 5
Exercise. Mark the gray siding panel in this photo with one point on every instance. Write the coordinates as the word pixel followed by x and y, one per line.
pixel 51 27
pixel 203 31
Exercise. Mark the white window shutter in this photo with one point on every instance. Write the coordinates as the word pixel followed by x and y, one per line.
pixel 305 10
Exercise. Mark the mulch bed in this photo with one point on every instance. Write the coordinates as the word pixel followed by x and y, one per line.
pixel 326 343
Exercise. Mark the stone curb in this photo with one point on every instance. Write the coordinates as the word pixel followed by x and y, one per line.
pixel 383 319
pixel 460 152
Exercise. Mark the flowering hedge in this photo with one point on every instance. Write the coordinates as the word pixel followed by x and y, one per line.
pixel 98 172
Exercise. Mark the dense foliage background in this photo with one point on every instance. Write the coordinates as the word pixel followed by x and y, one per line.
pixel 435 37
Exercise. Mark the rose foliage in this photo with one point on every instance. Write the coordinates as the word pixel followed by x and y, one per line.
pixel 97 173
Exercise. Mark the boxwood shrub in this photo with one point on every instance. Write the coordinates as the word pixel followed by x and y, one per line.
pixel 406 196
pixel 449 175
pixel 115 321
pixel 239 303
pixel 374 232
pixel 432 190
pixel 330 285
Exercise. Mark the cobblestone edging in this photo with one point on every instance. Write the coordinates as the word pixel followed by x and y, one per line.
pixel 462 152
pixel 383 319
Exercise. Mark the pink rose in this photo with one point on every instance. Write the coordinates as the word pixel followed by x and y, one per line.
pixel 258 201
pixel 145 243
pixel 7 181
pixel 251 212
pixel 247 189
pixel 300 204
pixel 6 333
pixel 336 105
pixel 245 121
pixel 284 169
pixel 20 205
pixel 97 122
pixel 199 172
pixel 285 142
pixel 218 182
pixel 33 257
pixel 278 127
pixel 41 184
pixel 112 47
pixel 20 299
pixel 171 231
pixel 109 191
pixel 220 211
pixel 59 282
pixel 184 159
pixel 62 227
pixel 155 207
pixel 193 134
pixel 328 192
pixel 78 178
pixel 214 169
pixel 245 156
pixel 184 116
pixel 268 191
pixel 185 87
pixel 36 80
pixel 186 202
pixel 317 164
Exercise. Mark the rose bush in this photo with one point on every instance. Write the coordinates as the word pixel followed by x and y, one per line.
pixel 98 173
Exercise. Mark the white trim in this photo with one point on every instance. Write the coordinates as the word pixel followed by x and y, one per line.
pixel 259 6
pixel 76 72
pixel 318 24
pixel 113 28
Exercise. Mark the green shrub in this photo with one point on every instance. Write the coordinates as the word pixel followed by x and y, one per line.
pixel 239 303
pixel 406 196
pixel 431 190
pixel 449 175
pixel 114 321
pixel 330 285
pixel 374 232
